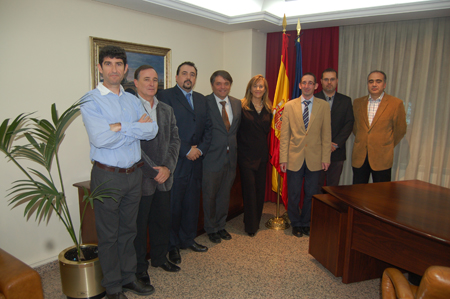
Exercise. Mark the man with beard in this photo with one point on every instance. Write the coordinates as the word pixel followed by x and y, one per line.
pixel 195 131
pixel 305 148
pixel 380 124
pixel 341 126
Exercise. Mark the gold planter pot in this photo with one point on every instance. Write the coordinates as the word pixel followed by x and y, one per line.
pixel 81 279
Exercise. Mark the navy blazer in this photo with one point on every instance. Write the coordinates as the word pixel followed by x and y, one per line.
pixel 194 128
pixel 341 123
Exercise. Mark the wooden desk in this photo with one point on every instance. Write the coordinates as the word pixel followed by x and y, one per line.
pixel 89 232
pixel 405 224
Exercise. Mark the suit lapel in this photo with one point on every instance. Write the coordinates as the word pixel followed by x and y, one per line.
pixel 215 110
pixel 364 107
pixel 383 105
pixel 234 108
pixel 315 110
pixel 183 100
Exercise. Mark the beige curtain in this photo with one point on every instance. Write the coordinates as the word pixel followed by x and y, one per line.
pixel 415 55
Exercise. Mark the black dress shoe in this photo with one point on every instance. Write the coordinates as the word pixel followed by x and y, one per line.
pixel 119 295
pixel 169 267
pixel 305 230
pixel 139 288
pixel 197 247
pixel 214 237
pixel 174 256
pixel 143 277
pixel 251 234
pixel 224 234
pixel 297 231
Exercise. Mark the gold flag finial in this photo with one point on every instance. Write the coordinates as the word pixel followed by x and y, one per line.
pixel 299 28
pixel 284 23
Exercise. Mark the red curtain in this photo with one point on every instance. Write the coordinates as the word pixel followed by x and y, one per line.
pixel 320 50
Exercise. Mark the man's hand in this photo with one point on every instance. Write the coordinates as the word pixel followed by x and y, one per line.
pixel 145 119
pixel 333 146
pixel 194 154
pixel 163 174
pixel 283 167
pixel 115 127
pixel 325 166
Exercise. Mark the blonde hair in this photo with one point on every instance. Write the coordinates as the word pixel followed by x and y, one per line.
pixel 248 94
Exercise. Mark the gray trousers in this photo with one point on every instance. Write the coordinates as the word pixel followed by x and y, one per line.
pixel 216 187
pixel 116 226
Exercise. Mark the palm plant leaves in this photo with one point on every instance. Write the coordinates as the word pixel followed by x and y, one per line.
pixel 39 190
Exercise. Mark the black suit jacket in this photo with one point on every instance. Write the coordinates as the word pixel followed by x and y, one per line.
pixel 253 148
pixel 341 123
pixel 194 128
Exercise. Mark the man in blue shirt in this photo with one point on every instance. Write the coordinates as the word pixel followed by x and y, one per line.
pixel 116 122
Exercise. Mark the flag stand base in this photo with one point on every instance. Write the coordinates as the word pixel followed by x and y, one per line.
pixel 277 222
pixel 285 216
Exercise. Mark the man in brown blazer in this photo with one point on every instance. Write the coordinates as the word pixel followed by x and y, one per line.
pixel 305 149
pixel 380 124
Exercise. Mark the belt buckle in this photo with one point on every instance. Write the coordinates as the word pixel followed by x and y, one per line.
pixel 129 170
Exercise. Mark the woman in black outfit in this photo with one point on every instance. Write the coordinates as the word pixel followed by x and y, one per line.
pixel 253 150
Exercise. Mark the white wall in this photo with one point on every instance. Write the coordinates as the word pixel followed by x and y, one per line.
pixel 45 59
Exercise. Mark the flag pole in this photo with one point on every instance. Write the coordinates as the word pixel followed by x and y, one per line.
pixel 277 222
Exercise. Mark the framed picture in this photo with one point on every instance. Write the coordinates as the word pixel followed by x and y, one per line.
pixel 137 55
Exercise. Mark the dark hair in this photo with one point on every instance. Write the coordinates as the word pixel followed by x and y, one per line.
pixel 112 52
pixel 140 69
pixel 309 74
pixel 187 63
pixel 330 70
pixel 223 74
pixel 376 71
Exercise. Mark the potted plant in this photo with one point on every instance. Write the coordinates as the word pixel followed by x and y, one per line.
pixel 43 194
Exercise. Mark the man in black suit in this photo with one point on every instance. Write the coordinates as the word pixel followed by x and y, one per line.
pixel 219 165
pixel 194 129
pixel 341 126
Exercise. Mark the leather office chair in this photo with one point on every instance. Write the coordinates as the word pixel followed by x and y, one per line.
pixel 435 284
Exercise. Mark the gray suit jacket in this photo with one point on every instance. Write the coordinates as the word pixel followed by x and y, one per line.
pixel 221 139
pixel 160 151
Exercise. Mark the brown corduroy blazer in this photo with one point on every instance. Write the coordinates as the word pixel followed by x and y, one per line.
pixel 379 139
pixel 297 144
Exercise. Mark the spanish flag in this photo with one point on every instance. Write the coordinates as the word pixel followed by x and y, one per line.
pixel 280 99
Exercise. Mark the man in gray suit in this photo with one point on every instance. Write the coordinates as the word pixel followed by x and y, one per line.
pixel 160 157
pixel 219 164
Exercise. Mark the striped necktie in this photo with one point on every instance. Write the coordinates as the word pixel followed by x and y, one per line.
pixel 306 114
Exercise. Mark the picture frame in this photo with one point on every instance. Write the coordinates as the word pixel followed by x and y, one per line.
pixel 137 55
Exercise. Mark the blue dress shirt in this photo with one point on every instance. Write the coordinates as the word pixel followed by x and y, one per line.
pixel 100 108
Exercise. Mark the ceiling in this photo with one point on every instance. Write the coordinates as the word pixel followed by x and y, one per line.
pixel 267 15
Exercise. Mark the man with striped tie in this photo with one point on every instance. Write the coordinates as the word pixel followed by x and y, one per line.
pixel 305 150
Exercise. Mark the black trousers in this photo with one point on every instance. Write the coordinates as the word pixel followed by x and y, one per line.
pixel 332 175
pixel 253 184
pixel 294 180
pixel 154 215
pixel 185 207
pixel 361 175
pixel 116 226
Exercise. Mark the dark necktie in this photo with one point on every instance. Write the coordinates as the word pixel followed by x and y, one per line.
pixel 226 121
pixel 188 97
pixel 306 114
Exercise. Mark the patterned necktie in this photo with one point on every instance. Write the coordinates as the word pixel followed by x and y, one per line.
pixel 188 97
pixel 226 121
pixel 306 114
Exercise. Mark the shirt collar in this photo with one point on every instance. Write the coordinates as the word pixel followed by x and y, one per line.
pixel 303 99
pixel 218 100
pixel 105 90
pixel 184 92
pixel 379 98
pixel 144 101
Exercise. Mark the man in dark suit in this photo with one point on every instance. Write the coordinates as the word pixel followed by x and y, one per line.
pixel 194 129
pixel 341 126
pixel 160 157
pixel 305 148
pixel 219 165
